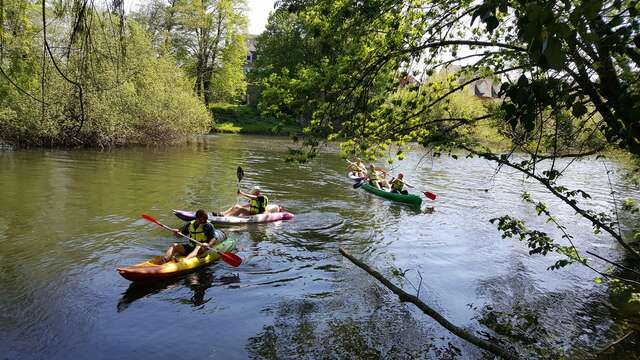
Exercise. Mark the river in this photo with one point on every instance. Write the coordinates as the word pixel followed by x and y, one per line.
pixel 69 218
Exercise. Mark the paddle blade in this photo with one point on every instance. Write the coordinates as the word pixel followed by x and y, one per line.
pixel 231 259
pixel 239 173
pixel 430 195
pixel 358 184
pixel 150 218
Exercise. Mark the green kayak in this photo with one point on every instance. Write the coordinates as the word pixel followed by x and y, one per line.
pixel 407 199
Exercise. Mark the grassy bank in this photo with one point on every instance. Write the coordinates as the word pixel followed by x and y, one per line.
pixel 244 119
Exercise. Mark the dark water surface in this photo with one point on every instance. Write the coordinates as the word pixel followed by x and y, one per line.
pixel 69 218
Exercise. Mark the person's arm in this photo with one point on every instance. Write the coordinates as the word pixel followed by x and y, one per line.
pixel 184 230
pixel 210 233
pixel 248 196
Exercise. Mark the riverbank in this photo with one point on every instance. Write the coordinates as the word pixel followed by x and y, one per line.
pixel 245 119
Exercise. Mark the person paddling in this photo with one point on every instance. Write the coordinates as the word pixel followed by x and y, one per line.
pixel 375 180
pixel 257 204
pixel 199 230
pixel 397 185
pixel 358 168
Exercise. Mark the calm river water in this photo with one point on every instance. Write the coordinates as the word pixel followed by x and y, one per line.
pixel 69 218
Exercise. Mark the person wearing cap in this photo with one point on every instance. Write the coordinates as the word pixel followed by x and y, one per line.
pixel 397 185
pixel 257 204
pixel 199 230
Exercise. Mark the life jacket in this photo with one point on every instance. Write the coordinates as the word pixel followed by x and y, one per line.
pixel 197 232
pixel 373 176
pixel 397 184
pixel 258 205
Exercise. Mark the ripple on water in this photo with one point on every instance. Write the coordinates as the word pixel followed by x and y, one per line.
pixel 294 296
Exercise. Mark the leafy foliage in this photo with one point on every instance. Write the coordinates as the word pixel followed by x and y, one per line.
pixel 108 91
pixel 379 74
pixel 207 38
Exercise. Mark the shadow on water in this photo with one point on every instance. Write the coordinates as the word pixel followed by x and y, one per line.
pixel 198 282
pixel 542 323
pixel 386 332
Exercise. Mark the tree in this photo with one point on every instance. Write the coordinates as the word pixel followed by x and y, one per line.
pixel 541 57
pixel 207 37
pixel 569 89
pixel 80 75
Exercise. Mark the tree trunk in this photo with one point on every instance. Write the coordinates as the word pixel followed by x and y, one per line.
pixel 197 87
pixel 206 85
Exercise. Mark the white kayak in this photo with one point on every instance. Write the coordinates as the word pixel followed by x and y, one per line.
pixel 260 218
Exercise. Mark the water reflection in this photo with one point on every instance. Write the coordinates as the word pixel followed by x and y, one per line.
pixel 388 332
pixel 198 282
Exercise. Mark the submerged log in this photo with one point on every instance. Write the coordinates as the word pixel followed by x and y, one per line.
pixel 618 341
pixel 406 297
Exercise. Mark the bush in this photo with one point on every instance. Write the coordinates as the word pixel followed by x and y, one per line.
pixel 139 98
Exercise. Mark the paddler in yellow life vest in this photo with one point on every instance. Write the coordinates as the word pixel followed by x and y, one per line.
pixel 358 168
pixel 257 204
pixel 199 230
pixel 376 180
pixel 397 185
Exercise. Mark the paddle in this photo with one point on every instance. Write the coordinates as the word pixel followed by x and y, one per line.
pixel 239 175
pixel 428 194
pixel 231 259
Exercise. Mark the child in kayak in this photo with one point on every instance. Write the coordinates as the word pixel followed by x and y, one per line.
pixel 199 230
pixel 257 204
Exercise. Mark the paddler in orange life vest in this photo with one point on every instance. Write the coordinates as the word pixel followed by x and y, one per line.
pixel 257 204
pixel 199 230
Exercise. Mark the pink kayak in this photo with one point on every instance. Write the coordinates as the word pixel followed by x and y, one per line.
pixel 260 218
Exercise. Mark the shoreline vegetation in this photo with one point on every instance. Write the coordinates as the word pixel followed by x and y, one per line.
pixel 92 76
pixel 245 119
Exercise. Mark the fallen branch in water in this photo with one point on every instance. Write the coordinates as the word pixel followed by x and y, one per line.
pixel 617 341
pixel 406 297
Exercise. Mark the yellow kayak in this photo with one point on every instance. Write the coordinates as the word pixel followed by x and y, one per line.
pixel 154 269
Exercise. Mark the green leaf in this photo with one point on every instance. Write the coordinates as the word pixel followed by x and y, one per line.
pixel 554 54
pixel 578 110
pixel 492 23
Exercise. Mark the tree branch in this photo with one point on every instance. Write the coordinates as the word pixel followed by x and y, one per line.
pixel 18 87
pixel 461 42
pixel 405 297
pixel 549 186
pixel 614 263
